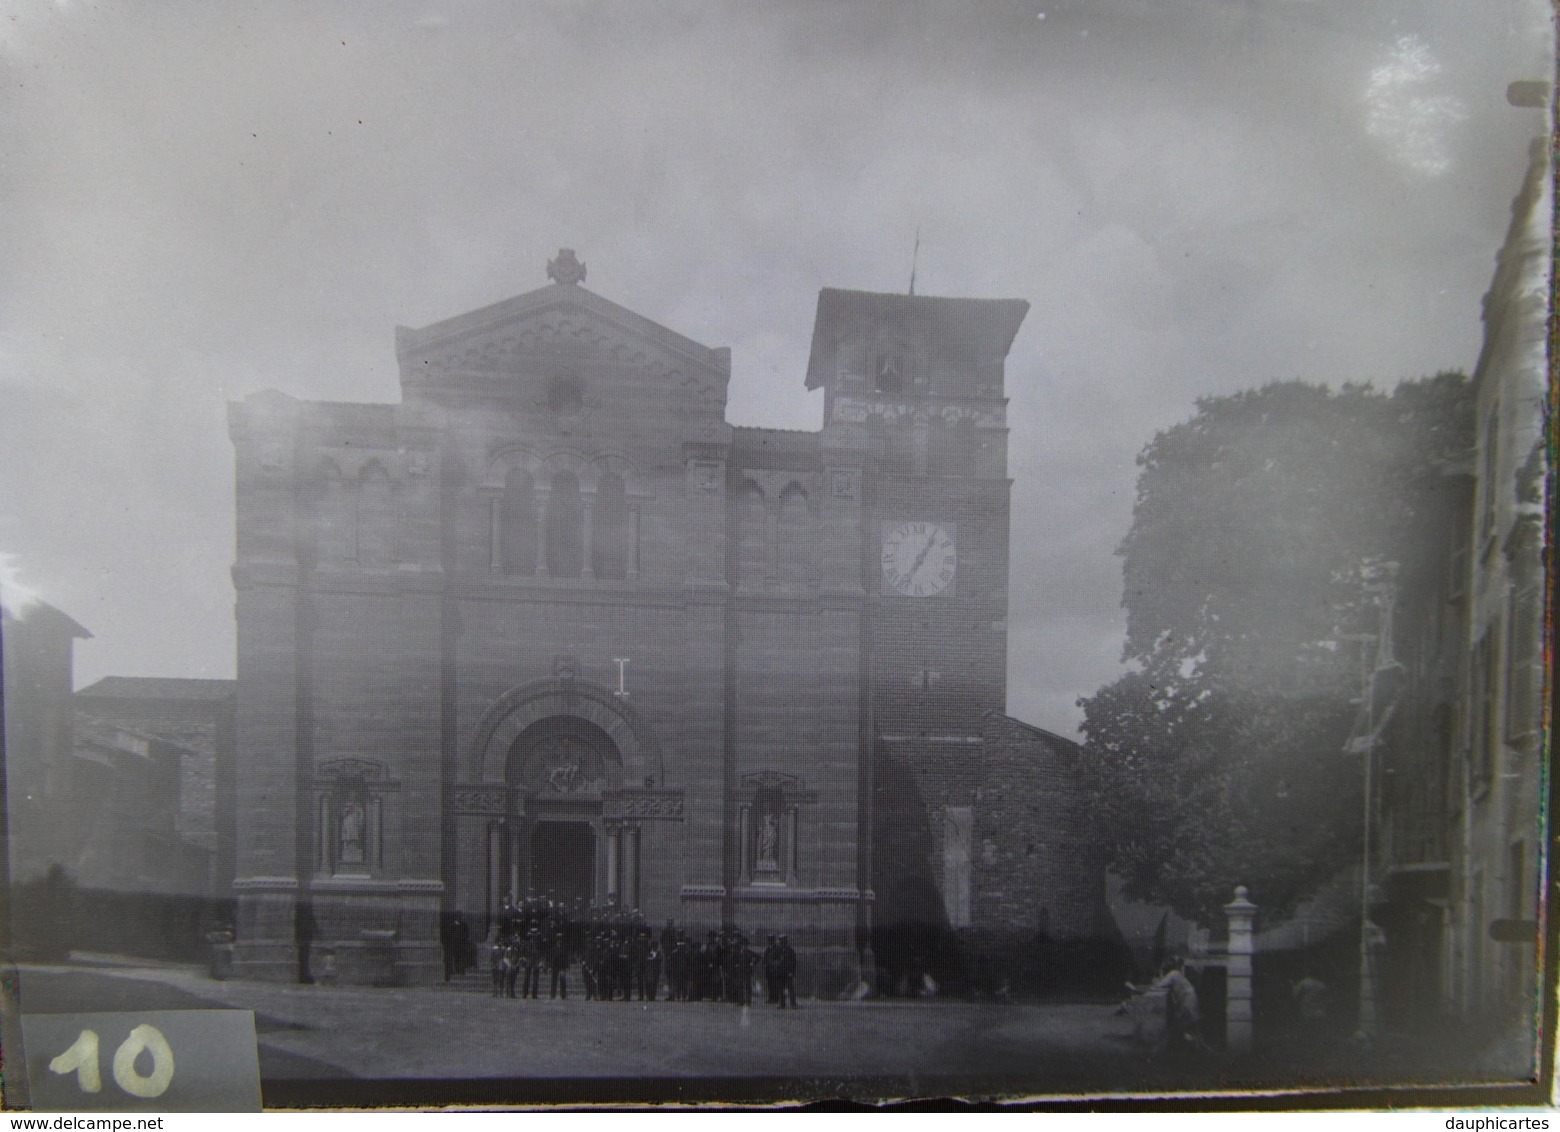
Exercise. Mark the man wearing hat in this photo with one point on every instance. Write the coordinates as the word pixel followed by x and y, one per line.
pixel 785 966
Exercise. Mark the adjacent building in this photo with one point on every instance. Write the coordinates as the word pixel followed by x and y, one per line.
pixel 1464 838
pixel 118 818
pixel 1498 834
pixel 37 643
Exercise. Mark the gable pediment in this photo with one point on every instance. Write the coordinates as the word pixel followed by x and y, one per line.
pixel 560 325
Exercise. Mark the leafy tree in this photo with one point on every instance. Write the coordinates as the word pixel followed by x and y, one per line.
pixel 1218 760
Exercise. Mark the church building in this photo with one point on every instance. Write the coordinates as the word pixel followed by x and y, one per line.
pixel 551 624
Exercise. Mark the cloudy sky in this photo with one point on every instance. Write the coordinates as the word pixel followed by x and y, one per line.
pixel 202 200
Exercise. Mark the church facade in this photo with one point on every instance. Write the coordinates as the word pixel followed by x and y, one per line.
pixel 551 624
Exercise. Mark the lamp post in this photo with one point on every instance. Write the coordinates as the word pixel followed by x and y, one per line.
pixel 1385 591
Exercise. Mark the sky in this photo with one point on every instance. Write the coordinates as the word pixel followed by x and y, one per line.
pixel 199 201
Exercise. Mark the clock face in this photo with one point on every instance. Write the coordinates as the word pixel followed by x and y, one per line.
pixel 919 559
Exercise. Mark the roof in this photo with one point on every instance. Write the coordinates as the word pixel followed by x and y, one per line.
pixel 159 688
pixel 410 342
pixel 20 604
pixel 89 733
pixel 755 441
pixel 1041 732
pixel 990 323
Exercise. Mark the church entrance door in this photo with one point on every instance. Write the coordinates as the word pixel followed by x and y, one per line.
pixel 563 860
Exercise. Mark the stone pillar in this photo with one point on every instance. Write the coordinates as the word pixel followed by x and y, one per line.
pixel 588 566
pixel 543 502
pixel 515 888
pixel 633 542
pixel 771 544
pixel 495 863
pixel 744 843
pixel 324 851
pixel 793 836
pixel 631 866
pixel 495 559
pixel 1240 913
pixel 611 835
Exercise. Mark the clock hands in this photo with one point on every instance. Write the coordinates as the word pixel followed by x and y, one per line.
pixel 903 568
pixel 920 558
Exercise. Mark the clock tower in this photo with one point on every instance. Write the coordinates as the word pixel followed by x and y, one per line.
pixel 913 388
pixel 914 384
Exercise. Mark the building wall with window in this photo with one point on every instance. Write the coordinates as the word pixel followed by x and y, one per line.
pixel 1497 829
pixel 551 624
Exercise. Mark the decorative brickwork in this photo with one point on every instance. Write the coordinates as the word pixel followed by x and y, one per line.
pixel 552 585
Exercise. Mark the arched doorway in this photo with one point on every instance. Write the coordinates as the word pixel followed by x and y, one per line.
pixel 556 770
pixel 562 789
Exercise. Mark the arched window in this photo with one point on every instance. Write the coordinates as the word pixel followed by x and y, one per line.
pixel 565 528
pixel 888 369
pixel 375 520
pixel 335 525
pixel 517 525
pixel 752 542
pixel 609 529
pixel 795 550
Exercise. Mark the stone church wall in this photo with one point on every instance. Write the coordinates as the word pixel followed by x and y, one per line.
pixel 396 640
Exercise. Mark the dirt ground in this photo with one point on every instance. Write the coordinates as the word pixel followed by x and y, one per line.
pixel 358 1046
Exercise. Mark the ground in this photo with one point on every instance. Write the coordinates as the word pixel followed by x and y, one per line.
pixel 370 1046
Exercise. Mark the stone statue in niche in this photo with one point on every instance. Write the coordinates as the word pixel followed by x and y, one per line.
pixel 768 844
pixel 352 851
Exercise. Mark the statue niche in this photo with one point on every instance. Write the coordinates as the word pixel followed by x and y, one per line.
pixel 563 756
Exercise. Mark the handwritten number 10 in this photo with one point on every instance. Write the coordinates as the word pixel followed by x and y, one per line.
pixel 82 1059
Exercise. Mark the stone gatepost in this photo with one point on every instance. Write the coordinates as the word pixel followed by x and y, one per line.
pixel 1240 913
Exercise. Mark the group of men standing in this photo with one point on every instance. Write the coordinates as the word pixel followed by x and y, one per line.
pixel 621 959
pixel 721 968
pixel 531 937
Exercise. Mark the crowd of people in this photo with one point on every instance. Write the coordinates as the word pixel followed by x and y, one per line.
pixel 621 958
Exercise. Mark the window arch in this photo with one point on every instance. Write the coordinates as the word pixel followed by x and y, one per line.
pixel 752 539
pixel 375 520
pixel 565 527
pixel 517 524
pixel 795 530
pixel 335 525
pixel 609 528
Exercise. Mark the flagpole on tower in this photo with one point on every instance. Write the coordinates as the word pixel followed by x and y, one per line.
pixel 914 256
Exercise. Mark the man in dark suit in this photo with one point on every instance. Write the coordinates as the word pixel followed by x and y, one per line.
pixel 786 967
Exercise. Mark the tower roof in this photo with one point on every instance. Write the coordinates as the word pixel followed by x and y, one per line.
pixel 988 324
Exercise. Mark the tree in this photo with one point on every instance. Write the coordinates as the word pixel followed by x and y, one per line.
pixel 1218 759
